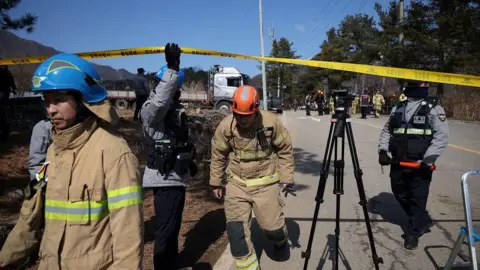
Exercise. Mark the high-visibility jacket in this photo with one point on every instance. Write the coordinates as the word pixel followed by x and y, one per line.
pixel 93 204
pixel 238 156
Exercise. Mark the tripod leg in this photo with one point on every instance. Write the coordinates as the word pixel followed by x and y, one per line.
pixel 338 190
pixel 320 193
pixel 361 191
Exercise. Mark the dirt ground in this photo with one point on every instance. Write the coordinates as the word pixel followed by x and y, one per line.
pixel 202 237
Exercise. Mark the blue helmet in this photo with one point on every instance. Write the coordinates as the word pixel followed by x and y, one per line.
pixel 181 75
pixel 66 71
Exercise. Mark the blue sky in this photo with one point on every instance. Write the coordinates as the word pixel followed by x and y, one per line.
pixel 229 26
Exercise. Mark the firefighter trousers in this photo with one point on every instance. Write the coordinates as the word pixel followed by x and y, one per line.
pixel 267 205
pixel 378 109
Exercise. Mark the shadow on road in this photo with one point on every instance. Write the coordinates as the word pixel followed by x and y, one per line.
pixel 329 253
pixel 205 233
pixel 385 205
pixel 261 243
pixel 308 163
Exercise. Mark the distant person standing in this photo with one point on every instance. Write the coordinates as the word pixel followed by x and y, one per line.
pixel 142 91
pixel 7 85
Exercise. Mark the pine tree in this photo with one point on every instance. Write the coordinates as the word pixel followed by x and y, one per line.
pixel 26 22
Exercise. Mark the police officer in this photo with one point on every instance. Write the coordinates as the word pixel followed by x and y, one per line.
pixel 417 131
pixel 364 103
pixel 142 91
pixel 39 143
pixel 320 99
pixel 169 157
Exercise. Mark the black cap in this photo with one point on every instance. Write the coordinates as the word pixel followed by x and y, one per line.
pixel 415 84
pixel 140 70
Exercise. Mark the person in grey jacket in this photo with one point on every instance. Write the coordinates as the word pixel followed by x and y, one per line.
pixel 142 91
pixel 169 157
pixel 416 132
pixel 39 142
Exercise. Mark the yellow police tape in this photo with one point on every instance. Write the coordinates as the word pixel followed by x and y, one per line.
pixel 402 73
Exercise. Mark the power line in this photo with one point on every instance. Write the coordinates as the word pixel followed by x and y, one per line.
pixel 361 7
pixel 343 10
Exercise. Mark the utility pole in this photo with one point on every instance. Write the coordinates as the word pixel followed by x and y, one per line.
pixel 400 16
pixel 264 76
pixel 271 34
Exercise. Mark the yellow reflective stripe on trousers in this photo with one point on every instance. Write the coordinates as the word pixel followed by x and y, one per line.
pixel 413 131
pixel 255 182
pixel 122 197
pixel 249 263
pixel 75 211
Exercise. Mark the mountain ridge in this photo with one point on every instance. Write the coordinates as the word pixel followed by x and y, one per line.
pixel 15 46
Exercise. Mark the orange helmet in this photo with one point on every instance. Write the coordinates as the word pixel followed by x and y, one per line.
pixel 319 92
pixel 245 100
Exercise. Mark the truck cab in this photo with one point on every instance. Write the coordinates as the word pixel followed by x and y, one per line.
pixel 222 83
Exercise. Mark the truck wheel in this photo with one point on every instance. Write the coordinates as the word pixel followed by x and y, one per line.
pixel 224 106
pixel 121 104
pixel 132 105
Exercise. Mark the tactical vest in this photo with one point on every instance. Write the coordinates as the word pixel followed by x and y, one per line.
pixel 364 100
pixel 163 153
pixel 410 140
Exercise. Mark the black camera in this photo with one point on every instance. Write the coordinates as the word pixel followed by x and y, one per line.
pixel 342 99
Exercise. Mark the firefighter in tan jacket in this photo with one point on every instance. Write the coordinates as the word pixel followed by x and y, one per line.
pixel 84 211
pixel 259 152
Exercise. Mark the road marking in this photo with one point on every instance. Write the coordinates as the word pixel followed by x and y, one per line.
pixel 451 145
pixel 316 119
pixel 464 149
pixel 302 117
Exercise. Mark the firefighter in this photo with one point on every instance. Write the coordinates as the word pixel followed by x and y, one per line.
pixel 7 86
pixel 332 105
pixel 355 104
pixel 169 157
pixel 378 102
pixel 308 101
pixel 319 99
pixel 417 131
pixel 142 91
pixel 86 205
pixel 259 152
pixel 364 103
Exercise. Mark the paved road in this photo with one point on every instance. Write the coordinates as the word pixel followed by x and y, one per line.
pixel 445 201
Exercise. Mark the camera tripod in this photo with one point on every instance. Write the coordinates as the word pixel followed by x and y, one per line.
pixel 340 123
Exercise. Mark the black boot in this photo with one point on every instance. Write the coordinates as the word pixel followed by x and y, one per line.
pixel 281 252
pixel 411 242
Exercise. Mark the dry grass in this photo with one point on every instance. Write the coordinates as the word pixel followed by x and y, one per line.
pixel 202 236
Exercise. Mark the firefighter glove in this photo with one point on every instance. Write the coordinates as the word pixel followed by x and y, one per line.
pixel 383 158
pixel 288 189
pixel 172 56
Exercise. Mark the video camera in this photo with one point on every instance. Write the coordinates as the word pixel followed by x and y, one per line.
pixel 342 99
